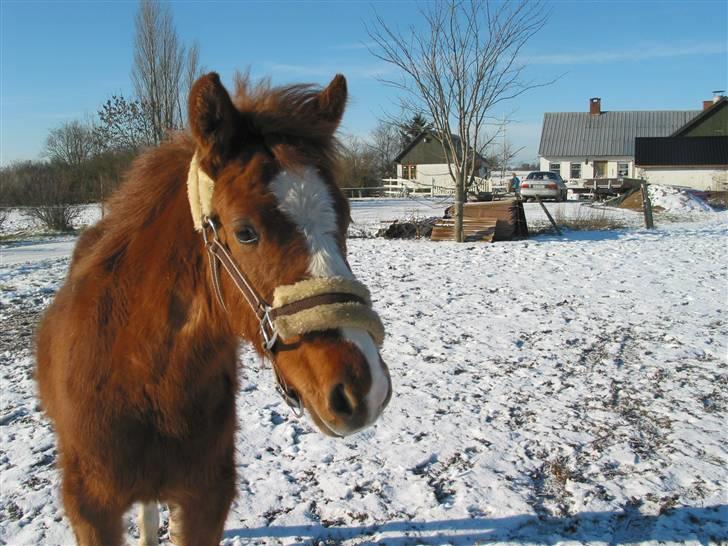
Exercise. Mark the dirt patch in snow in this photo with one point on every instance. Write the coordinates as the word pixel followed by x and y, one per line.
pixel 18 327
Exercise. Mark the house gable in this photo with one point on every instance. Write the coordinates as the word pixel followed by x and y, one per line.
pixel 423 150
pixel 426 149
pixel 712 121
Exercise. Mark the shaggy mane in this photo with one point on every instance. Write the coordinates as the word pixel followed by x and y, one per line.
pixel 287 114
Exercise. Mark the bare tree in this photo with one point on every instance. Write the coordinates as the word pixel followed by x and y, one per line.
pixel 359 168
pixel 45 189
pixel 123 125
pixel 386 144
pixel 71 143
pixel 458 70
pixel 158 65
pixel 193 70
pixel 503 151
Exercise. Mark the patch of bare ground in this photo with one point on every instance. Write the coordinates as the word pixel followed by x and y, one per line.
pixel 19 323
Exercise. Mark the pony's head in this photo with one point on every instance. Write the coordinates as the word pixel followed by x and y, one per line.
pixel 265 196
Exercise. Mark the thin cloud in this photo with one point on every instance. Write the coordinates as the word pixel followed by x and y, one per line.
pixel 61 115
pixel 320 71
pixel 637 53
pixel 357 45
pixel 299 69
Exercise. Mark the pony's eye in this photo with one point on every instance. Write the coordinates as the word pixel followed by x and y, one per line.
pixel 246 235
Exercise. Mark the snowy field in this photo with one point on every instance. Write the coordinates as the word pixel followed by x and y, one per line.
pixel 550 391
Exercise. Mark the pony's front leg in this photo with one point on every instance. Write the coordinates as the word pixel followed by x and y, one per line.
pixel 199 520
pixel 175 515
pixel 197 515
pixel 149 524
pixel 94 522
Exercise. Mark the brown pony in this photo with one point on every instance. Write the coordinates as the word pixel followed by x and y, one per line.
pixel 137 355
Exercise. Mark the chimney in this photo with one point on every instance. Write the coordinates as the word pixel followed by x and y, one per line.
pixel 595 106
pixel 707 104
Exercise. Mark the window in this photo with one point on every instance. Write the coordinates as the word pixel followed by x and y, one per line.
pixel 543 175
pixel 622 169
pixel 409 172
pixel 555 168
pixel 575 170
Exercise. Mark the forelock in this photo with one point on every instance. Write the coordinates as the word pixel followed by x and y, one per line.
pixel 283 114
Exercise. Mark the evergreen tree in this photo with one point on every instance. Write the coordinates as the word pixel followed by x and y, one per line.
pixel 409 130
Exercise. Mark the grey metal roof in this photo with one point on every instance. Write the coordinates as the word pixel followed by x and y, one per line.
pixel 607 134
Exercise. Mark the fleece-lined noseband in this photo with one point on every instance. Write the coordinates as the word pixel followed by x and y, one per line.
pixel 310 305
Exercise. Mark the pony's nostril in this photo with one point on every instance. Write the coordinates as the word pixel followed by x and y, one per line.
pixel 339 401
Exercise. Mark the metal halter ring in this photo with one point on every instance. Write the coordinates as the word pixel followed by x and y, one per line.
pixel 292 400
pixel 209 222
pixel 268 329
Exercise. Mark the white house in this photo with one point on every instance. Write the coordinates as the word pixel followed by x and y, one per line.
pixel 599 144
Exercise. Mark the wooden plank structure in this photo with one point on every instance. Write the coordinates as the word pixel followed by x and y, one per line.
pixel 474 229
pixel 488 221
pixel 604 188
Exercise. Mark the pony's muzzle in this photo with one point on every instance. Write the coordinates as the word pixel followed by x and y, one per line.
pixel 339 377
pixel 355 412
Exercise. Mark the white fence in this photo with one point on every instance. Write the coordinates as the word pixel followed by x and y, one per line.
pixel 403 187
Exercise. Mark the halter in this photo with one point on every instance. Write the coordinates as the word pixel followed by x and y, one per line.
pixel 219 255
pixel 310 305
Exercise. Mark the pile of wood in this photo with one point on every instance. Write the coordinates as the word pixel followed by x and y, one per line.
pixel 490 221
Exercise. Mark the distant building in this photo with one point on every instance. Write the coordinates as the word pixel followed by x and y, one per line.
pixel 696 155
pixel 422 166
pixel 601 144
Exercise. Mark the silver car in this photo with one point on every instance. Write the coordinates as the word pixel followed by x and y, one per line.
pixel 545 185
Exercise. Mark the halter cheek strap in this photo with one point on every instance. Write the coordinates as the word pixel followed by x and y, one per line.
pixel 310 305
pixel 307 306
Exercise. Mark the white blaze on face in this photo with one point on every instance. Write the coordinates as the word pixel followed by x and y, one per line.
pixel 305 198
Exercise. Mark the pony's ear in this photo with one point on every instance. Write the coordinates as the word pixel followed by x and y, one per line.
pixel 332 100
pixel 212 115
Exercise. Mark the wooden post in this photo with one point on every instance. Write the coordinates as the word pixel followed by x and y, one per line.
pixel 548 215
pixel 647 206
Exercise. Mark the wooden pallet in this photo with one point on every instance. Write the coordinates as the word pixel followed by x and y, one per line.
pixel 489 221
pixel 474 229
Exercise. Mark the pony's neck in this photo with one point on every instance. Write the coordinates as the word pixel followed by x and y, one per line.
pixel 167 285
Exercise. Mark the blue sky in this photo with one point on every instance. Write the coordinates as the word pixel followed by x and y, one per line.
pixel 60 60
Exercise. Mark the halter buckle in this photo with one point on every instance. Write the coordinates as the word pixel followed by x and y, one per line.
pixel 209 222
pixel 268 329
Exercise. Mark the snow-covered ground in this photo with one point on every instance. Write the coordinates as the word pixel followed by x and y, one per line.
pixel 369 215
pixel 554 390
